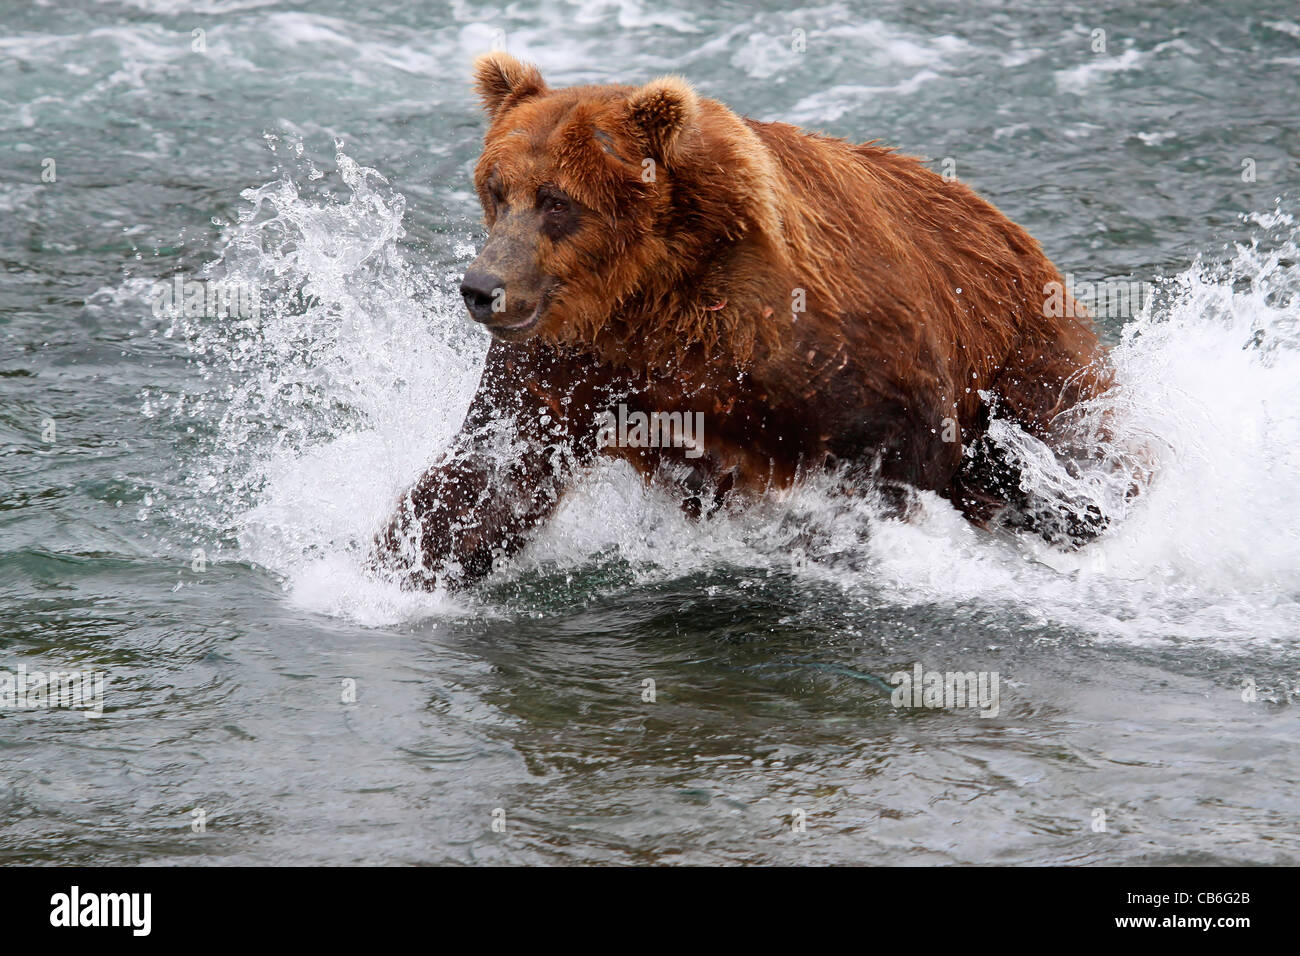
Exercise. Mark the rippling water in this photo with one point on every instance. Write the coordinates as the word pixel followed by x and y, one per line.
pixel 185 503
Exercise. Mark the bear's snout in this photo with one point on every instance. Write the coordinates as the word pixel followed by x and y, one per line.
pixel 480 290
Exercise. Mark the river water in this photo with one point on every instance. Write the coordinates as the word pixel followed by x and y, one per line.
pixel 185 503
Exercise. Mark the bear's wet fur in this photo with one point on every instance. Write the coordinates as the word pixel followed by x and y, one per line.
pixel 824 304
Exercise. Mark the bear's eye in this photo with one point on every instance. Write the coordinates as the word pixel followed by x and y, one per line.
pixel 551 202
pixel 494 192
pixel 560 214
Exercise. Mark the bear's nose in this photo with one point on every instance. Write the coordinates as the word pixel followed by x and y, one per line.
pixel 481 290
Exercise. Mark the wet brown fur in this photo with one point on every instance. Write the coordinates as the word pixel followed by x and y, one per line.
pixel 677 293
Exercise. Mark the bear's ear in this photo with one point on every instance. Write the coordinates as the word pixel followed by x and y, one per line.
pixel 502 81
pixel 662 110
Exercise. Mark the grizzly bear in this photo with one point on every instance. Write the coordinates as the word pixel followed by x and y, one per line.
pixel 797 302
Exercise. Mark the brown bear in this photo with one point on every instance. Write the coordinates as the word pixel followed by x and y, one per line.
pixel 768 301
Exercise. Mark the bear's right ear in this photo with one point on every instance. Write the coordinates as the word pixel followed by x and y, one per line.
pixel 502 81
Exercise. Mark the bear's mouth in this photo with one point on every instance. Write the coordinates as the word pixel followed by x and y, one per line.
pixel 526 324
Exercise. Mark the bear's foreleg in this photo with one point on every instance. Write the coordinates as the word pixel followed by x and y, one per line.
pixel 524 436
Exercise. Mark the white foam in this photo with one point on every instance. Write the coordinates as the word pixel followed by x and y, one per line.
pixel 1289 27
pixel 827 106
pixel 336 406
pixel 1079 78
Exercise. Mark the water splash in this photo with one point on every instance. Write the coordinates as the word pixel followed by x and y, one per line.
pixel 324 406
pixel 1210 375
pixel 361 368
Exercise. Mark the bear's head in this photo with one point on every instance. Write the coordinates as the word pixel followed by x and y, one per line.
pixel 607 205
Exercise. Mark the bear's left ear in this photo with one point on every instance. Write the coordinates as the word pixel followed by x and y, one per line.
pixel 662 110
pixel 502 81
